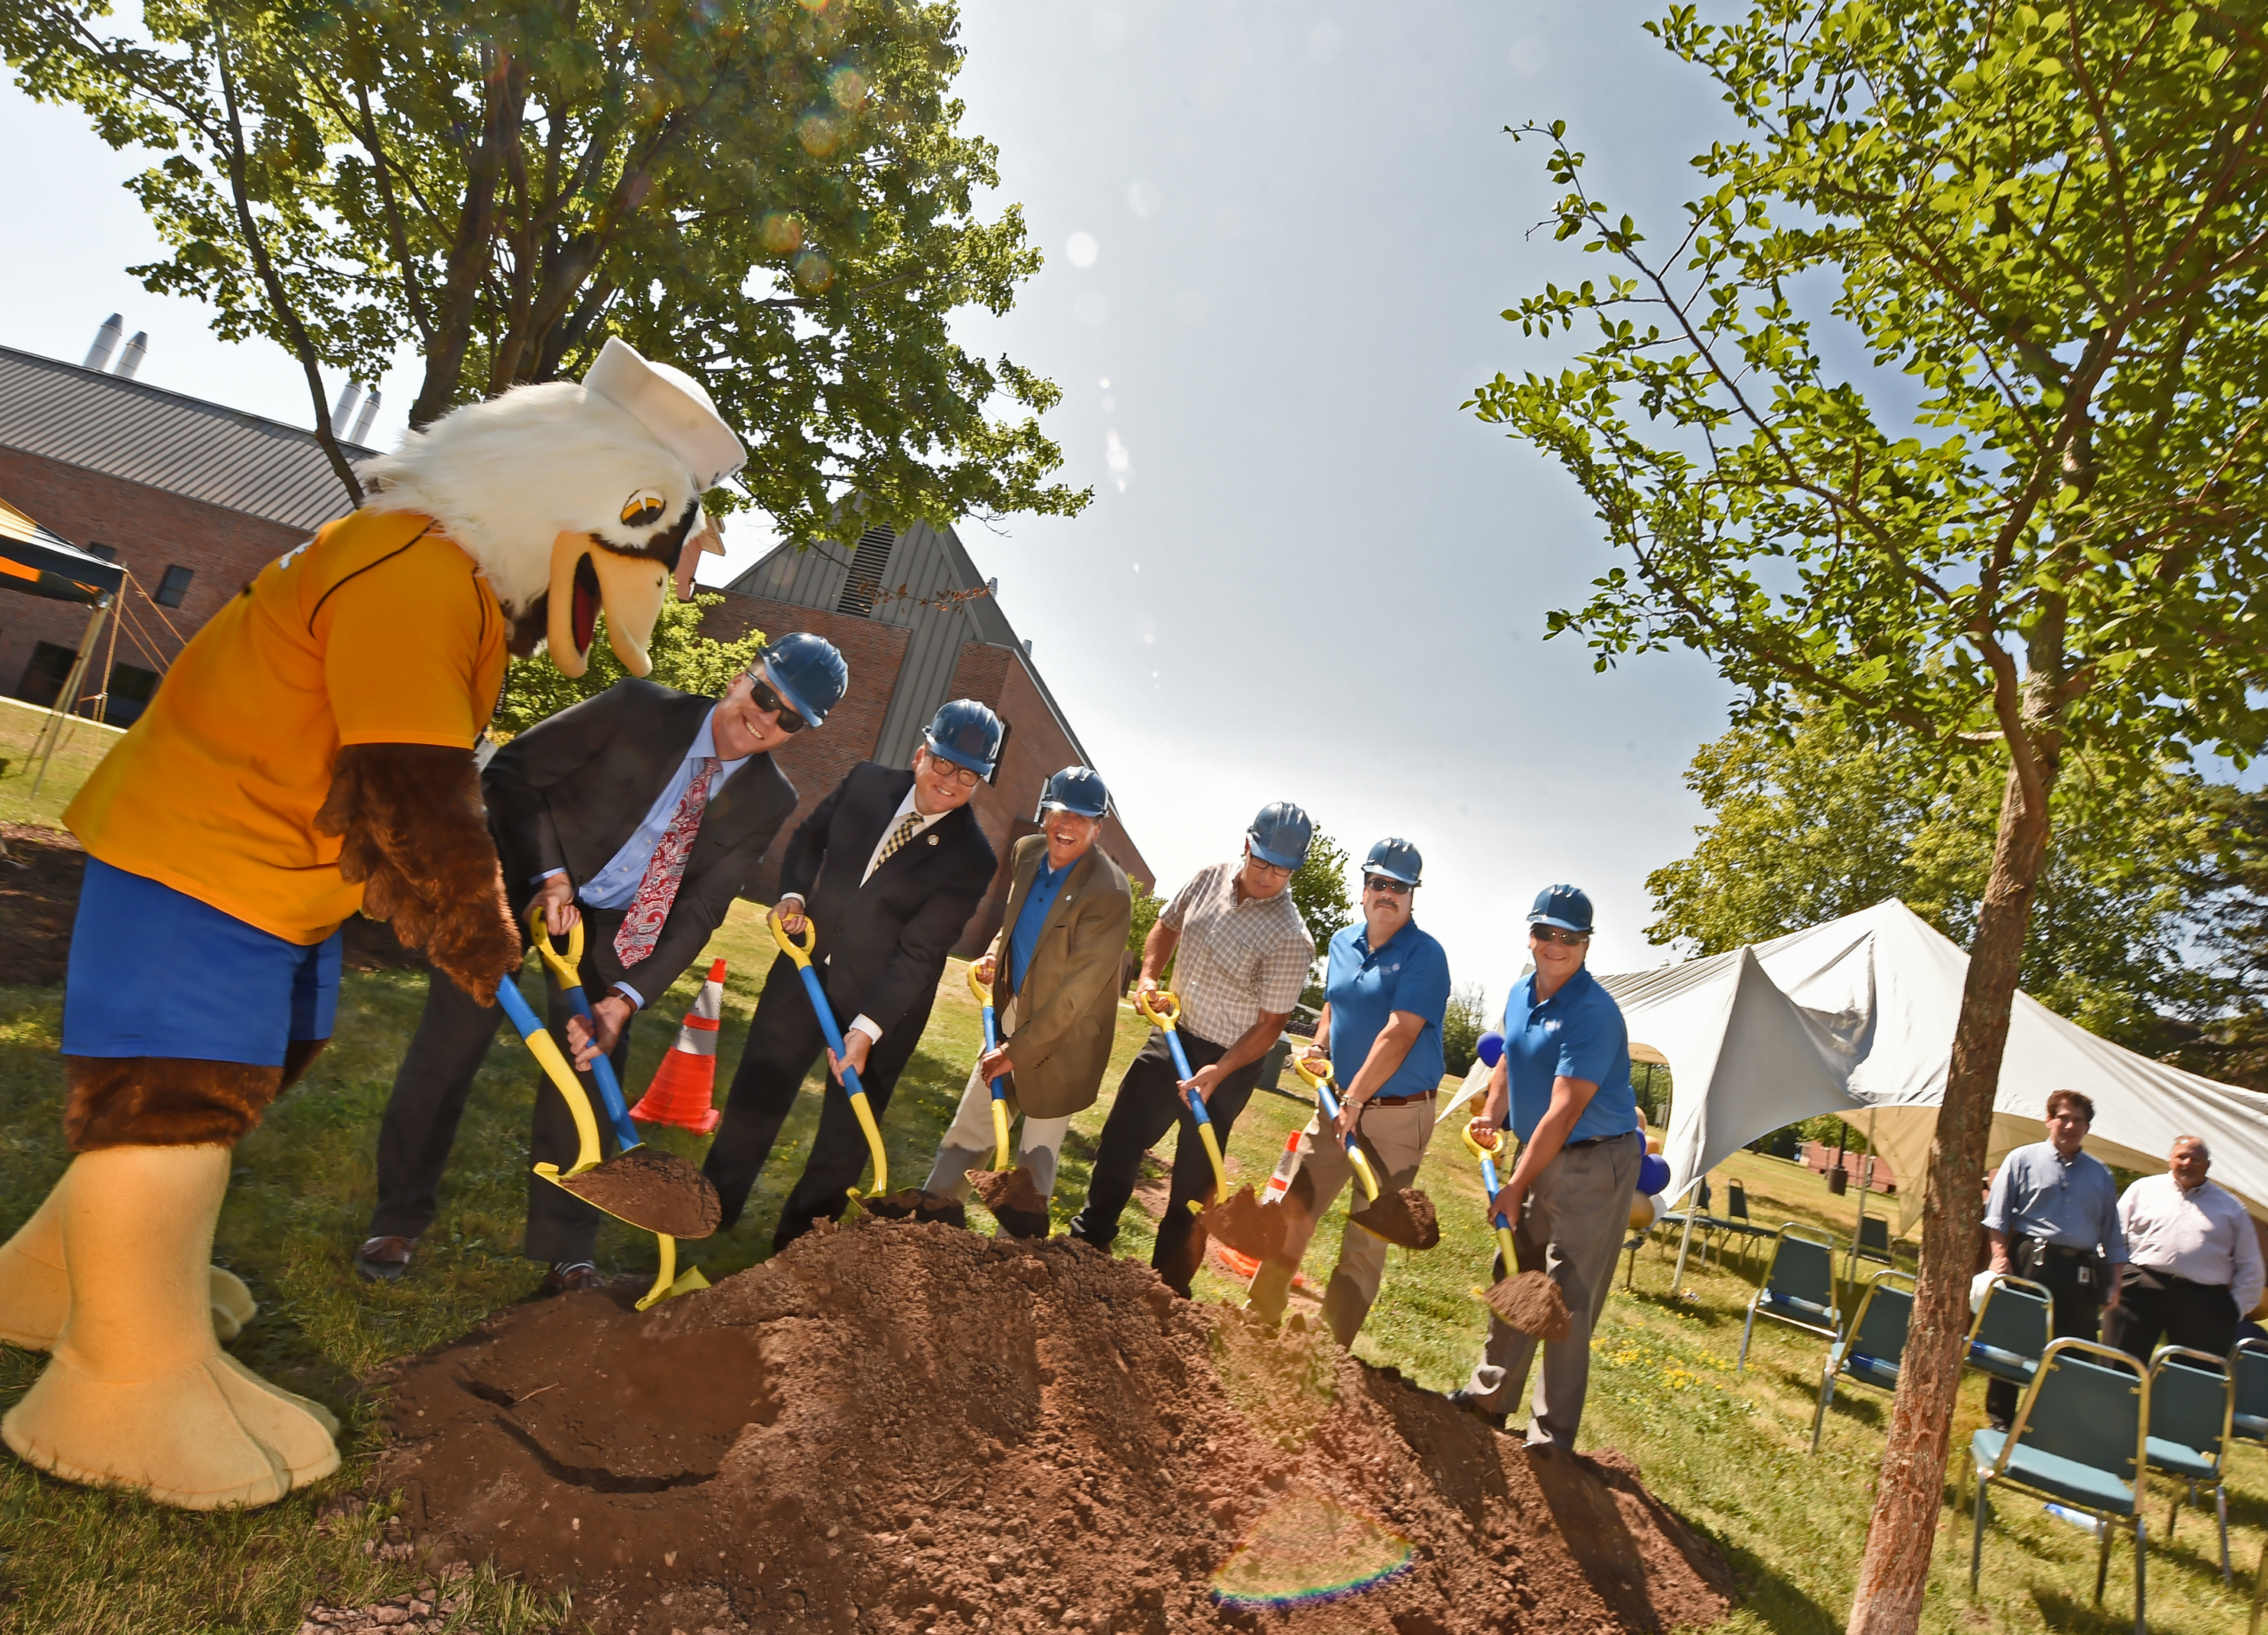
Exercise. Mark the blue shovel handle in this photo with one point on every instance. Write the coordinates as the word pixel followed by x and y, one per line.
pixel 828 1028
pixel 618 1112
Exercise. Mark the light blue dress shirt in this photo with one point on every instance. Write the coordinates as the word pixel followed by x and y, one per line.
pixel 614 886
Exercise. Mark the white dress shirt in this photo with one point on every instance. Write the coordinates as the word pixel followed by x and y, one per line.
pixel 615 886
pixel 2202 1233
pixel 864 1023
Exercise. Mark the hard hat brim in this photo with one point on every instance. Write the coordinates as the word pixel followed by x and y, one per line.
pixel 1563 925
pixel 945 752
pixel 1278 859
pixel 812 717
pixel 1075 811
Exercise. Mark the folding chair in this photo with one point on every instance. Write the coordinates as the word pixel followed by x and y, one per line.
pixel 2249 1389
pixel 2078 1440
pixel 2190 1408
pixel 1799 1288
pixel 1736 1221
pixel 1876 1346
pixel 1704 1224
pixel 2012 1328
pixel 1872 1243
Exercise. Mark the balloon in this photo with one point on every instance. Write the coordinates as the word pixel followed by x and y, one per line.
pixel 1491 1048
pixel 1653 1174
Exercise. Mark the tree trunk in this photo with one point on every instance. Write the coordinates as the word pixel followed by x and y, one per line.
pixel 1896 1571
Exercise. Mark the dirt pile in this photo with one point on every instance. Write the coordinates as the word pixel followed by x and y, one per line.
pixel 901 1427
pixel 1533 1304
pixel 657 1190
pixel 1242 1222
pixel 1403 1216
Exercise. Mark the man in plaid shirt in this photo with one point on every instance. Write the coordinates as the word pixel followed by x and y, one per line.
pixel 1244 956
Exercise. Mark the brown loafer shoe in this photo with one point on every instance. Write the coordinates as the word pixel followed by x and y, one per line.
pixel 383 1259
pixel 572 1277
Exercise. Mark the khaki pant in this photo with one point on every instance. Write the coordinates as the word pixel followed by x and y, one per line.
pixel 1395 1139
pixel 1570 1228
pixel 969 1144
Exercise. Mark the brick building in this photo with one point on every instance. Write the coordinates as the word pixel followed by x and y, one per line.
pixel 193 499
pixel 190 497
pixel 919 625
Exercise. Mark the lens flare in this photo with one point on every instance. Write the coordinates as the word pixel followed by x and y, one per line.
pixel 1308 1550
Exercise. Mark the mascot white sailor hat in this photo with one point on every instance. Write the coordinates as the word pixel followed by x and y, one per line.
pixel 672 406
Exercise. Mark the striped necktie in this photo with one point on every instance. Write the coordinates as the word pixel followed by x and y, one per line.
pixel 907 828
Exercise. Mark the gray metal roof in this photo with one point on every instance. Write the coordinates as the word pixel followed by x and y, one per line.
pixel 931 587
pixel 161 439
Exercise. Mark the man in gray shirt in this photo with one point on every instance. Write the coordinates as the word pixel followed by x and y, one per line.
pixel 2053 1217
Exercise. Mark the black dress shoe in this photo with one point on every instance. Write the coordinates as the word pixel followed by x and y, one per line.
pixel 1464 1399
pixel 572 1277
pixel 383 1259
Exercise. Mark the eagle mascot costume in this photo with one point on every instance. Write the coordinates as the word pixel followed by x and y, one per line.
pixel 310 754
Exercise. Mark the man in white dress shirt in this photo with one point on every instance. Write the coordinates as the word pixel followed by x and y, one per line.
pixel 2193 1264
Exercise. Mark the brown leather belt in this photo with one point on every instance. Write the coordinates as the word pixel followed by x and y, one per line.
pixel 1399 1101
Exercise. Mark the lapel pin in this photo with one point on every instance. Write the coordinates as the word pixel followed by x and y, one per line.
pixel 933 839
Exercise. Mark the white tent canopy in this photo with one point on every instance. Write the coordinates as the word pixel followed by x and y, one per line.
pixel 1856 1017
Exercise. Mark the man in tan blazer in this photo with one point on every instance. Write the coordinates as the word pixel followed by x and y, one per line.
pixel 1054 970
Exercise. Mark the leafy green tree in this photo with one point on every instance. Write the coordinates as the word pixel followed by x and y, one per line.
pixel 1462 1025
pixel 1811 827
pixel 683 658
pixel 1318 890
pixel 773 194
pixel 1147 906
pixel 2032 520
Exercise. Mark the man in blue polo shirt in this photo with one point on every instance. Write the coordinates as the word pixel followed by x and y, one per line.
pixel 1386 989
pixel 1563 1087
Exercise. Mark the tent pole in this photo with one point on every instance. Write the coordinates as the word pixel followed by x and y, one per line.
pixel 1684 1243
pixel 52 735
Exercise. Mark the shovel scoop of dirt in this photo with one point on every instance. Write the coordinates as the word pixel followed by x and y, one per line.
pixel 656 1191
pixel 1531 1303
pixel 1242 1223
pixel 915 1205
pixel 1403 1216
pixel 1007 1188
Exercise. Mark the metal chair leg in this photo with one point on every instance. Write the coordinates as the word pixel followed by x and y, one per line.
pixel 2221 1508
pixel 1747 1329
pixel 2102 1558
pixel 1819 1413
pixel 2141 1600
pixel 1976 1536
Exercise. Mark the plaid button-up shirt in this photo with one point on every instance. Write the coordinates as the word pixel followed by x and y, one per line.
pixel 1235 958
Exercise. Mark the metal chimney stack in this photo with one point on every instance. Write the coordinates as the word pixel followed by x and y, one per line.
pixel 136 349
pixel 362 421
pixel 107 339
pixel 342 414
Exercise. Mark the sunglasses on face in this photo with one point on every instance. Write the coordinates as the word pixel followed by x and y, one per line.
pixel 1560 934
pixel 1392 888
pixel 772 704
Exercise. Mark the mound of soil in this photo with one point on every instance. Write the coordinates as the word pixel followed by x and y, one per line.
pixel 901 1427
pixel 1533 1304
pixel 1403 1216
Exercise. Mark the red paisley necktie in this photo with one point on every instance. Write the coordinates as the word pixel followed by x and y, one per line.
pixel 641 927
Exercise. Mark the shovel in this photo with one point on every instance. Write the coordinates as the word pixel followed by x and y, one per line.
pixel 1240 1222
pixel 982 994
pixel 1530 1302
pixel 1406 1216
pixel 656 1192
pixel 1011 1193
pixel 801 953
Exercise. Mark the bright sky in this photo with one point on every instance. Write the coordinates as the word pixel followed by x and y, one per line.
pixel 1278 238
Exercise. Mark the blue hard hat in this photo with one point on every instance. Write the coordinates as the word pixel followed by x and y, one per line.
pixel 1490 1049
pixel 1280 833
pixel 1395 858
pixel 1075 789
pixel 966 733
pixel 1563 906
pixel 807 672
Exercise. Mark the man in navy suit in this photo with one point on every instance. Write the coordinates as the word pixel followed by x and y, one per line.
pixel 888 869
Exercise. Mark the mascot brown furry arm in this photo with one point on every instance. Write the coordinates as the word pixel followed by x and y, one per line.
pixel 310 754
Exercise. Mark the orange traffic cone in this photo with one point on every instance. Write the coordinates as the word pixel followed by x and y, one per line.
pixel 685 1082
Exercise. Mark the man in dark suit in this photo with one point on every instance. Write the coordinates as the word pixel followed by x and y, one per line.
pixel 887 869
pixel 641 813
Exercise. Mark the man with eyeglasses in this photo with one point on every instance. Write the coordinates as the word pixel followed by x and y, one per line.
pixel 1386 990
pixel 887 869
pixel 1563 1088
pixel 641 813
pixel 1240 954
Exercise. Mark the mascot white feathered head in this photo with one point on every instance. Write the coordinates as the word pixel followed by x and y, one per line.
pixel 574 499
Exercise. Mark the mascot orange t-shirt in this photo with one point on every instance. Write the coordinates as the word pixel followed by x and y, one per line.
pixel 379 630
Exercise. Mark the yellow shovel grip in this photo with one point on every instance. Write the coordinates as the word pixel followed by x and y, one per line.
pixel 666 1275
pixel 800 952
pixel 874 1142
pixel 982 992
pixel 1000 1134
pixel 1213 1151
pixel 1159 1006
pixel 545 1051
pixel 567 969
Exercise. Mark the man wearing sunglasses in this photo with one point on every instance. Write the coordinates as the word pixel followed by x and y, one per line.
pixel 641 813
pixel 888 871
pixel 1387 987
pixel 1563 1088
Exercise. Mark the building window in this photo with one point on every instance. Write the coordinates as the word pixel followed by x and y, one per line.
pixel 864 582
pixel 45 676
pixel 1000 760
pixel 131 688
pixel 173 586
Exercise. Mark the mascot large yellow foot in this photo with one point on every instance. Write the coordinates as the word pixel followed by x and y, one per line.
pixel 138 1392
pixel 35 1291
pixel 310 754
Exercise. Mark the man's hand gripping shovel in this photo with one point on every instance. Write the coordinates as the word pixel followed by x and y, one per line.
pixel 1241 1222
pixel 1530 1302
pixel 1403 1216
pixel 1001 1187
pixel 656 1192
pixel 801 953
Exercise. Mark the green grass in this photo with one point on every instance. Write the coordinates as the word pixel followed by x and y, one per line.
pixel 82 743
pixel 1725 1452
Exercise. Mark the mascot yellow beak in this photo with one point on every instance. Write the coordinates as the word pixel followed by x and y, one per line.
pixel 586 580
